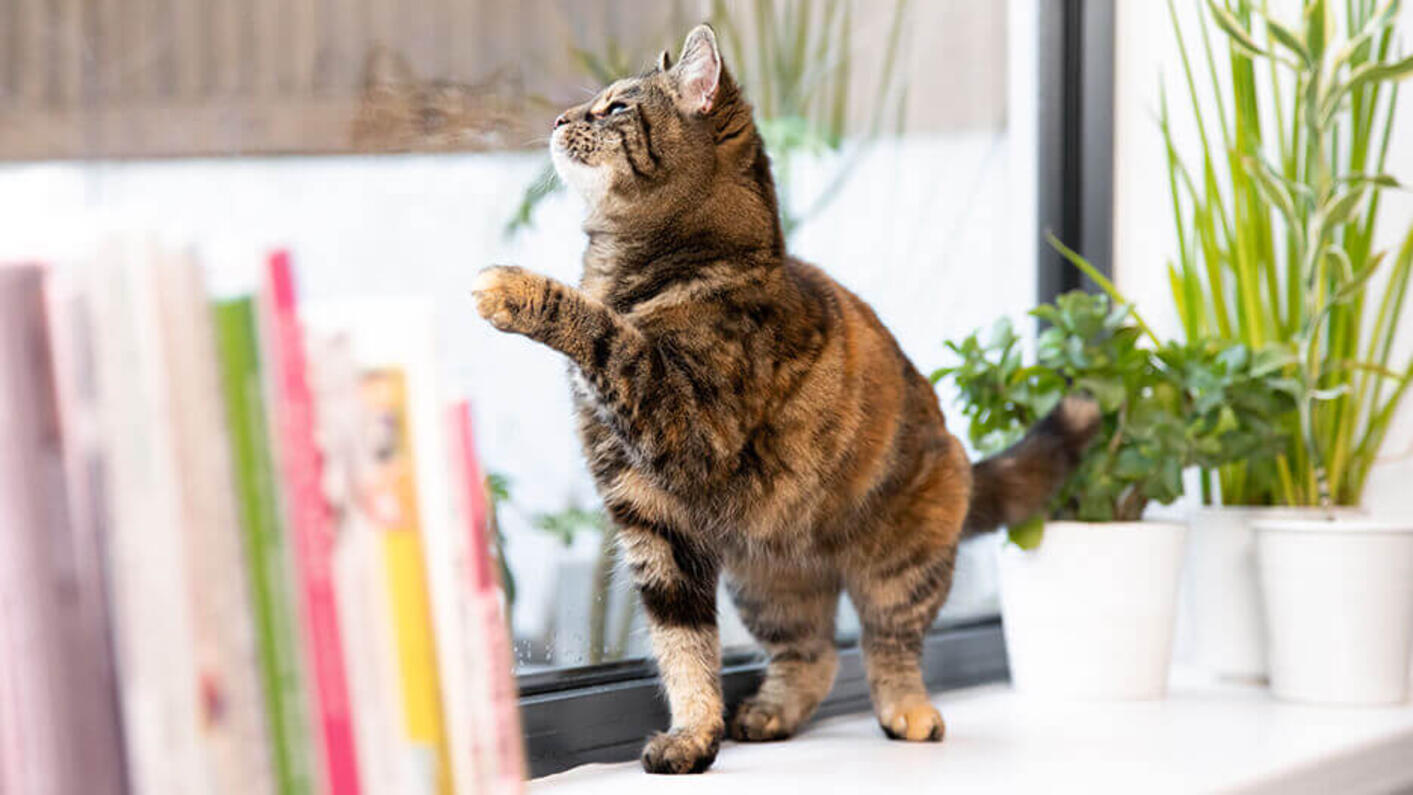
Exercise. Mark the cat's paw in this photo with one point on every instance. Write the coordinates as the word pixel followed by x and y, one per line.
pixel 504 293
pixel 681 751
pixel 758 721
pixel 914 720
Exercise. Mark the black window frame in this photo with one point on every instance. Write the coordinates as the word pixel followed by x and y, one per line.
pixel 603 713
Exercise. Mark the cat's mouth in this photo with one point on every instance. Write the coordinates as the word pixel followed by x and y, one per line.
pixel 588 179
pixel 560 145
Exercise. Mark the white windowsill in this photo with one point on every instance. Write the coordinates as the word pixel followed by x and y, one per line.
pixel 1204 738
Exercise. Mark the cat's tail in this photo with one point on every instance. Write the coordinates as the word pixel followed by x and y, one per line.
pixel 1015 484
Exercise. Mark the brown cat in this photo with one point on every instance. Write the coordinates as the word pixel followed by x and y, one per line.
pixel 742 412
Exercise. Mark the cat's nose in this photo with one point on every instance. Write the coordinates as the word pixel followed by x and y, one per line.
pixel 562 120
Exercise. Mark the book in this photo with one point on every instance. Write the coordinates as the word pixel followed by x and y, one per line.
pixel 391 493
pixel 58 717
pixel 29 745
pixel 359 573
pixel 151 604
pixel 94 734
pixel 404 491
pixel 267 556
pixel 232 718
pixel 496 747
pixel 249 549
pixel 311 529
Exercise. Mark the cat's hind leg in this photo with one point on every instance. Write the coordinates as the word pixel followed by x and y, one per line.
pixel 792 615
pixel 895 613
pixel 897 594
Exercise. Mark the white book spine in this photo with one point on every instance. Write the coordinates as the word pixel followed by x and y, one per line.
pixel 152 613
pixel 442 546
pixel 358 570
pixel 235 746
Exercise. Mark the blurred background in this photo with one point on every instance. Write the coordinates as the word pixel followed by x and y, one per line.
pixel 394 149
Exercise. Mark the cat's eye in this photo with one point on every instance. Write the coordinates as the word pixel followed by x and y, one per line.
pixel 614 108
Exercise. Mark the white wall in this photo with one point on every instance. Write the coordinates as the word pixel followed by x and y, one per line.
pixel 1144 239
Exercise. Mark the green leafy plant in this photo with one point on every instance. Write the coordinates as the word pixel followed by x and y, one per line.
pixel 1275 223
pixel 498 492
pixel 566 525
pixel 1164 408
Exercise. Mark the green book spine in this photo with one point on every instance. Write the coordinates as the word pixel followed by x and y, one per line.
pixel 266 546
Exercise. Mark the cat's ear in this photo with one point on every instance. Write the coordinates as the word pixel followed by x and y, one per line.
pixel 664 61
pixel 699 70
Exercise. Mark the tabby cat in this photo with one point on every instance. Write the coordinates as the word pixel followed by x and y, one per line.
pixel 745 415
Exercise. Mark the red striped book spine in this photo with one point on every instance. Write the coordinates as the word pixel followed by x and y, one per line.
pixel 312 530
pixel 505 735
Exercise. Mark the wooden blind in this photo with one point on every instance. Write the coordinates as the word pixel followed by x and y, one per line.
pixel 157 78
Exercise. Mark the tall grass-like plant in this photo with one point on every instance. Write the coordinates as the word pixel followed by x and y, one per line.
pixel 796 60
pixel 796 66
pixel 1276 222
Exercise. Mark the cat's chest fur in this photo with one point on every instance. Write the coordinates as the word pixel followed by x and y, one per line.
pixel 761 495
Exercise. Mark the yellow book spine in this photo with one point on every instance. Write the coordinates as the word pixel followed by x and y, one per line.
pixel 393 497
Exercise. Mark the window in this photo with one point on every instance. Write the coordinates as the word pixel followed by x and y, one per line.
pixel 919 147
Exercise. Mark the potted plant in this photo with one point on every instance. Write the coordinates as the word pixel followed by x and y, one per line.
pixel 1275 226
pixel 1088 591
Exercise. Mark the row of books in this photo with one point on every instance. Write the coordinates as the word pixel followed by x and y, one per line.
pixel 243 543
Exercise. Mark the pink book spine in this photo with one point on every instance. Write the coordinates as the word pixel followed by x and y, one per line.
pixel 485 578
pixel 312 531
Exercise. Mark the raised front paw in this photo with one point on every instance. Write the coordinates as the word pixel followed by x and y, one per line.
pixel 912 719
pixel 681 751
pixel 505 295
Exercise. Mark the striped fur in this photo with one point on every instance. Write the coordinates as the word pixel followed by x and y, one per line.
pixel 744 414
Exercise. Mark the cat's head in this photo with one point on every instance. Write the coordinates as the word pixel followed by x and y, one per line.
pixel 666 142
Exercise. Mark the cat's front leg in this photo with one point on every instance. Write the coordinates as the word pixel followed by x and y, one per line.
pixel 676 579
pixel 653 399
pixel 518 301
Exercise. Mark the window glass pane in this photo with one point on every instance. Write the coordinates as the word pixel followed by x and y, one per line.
pixel 397 148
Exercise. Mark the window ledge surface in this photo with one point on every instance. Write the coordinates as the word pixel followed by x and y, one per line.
pixel 1205 737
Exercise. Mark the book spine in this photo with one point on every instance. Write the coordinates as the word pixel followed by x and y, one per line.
pixel 442 544
pixel 152 613
pixel 232 720
pixel 96 732
pixel 391 493
pixel 359 576
pixel 472 759
pixel 31 716
pixel 266 553
pixel 312 530
pixel 499 733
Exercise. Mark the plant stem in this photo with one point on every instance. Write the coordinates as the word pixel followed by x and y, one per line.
pixel 599 597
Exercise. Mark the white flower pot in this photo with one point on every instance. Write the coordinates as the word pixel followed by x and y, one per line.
pixel 1221 603
pixel 1089 613
pixel 1339 608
